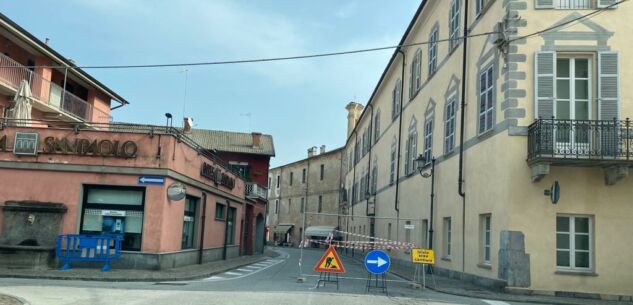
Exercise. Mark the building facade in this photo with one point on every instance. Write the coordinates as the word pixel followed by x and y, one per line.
pixel 69 170
pixel 248 155
pixel 531 101
pixel 305 195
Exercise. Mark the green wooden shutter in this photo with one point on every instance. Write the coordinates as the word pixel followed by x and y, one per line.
pixel 607 3
pixel 545 84
pixel 543 3
pixel 411 80
pixel 406 159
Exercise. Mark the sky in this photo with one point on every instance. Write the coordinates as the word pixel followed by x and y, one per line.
pixel 301 103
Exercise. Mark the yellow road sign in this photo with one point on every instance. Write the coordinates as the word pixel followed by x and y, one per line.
pixel 423 256
pixel 330 262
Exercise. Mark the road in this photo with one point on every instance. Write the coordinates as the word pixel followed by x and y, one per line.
pixel 273 281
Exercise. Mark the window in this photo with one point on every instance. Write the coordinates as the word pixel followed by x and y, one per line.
pixel 486 100
pixel 114 210
pixel 303 176
pixel 389 231
pixel 392 175
pixel 447 237
pixel 433 51
pixel 278 180
pixel 396 100
pixel 484 237
pixel 574 242
pixel 407 232
pixel 241 168
pixel 302 205
pixel 377 127
pixel 453 23
pixel 322 173
pixel 289 205
pixel 320 207
pixel 412 148
pixel 574 4
pixel 449 125
pixel 573 81
pixel 230 226
pixel 415 77
pixel 189 223
pixel 428 141
pixel 270 182
pixel 220 210
pixel 276 206
pixel 479 6
pixel 291 178
pixel 374 179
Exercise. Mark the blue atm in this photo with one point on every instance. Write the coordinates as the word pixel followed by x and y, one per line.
pixel 113 225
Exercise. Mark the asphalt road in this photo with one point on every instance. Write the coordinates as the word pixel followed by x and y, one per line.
pixel 273 281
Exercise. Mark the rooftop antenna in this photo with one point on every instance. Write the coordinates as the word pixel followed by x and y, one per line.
pixel 184 100
pixel 249 115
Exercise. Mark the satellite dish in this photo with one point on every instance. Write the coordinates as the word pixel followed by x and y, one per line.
pixel 176 191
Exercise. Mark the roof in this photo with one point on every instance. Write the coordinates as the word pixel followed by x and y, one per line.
pixel 338 150
pixel 44 48
pixel 229 141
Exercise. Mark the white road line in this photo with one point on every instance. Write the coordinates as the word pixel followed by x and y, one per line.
pixel 495 302
pixel 232 273
pixel 249 274
pixel 245 269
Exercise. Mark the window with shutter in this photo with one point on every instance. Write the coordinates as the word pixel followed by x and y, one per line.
pixel 543 3
pixel 418 70
pixel 406 158
pixel 607 3
pixel 544 84
pixel 608 102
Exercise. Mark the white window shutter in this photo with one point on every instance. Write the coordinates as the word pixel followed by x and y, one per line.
pixel 607 3
pixel 608 85
pixel 545 84
pixel 406 159
pixel 543 3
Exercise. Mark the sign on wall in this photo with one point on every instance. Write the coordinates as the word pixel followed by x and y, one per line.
pixel 25 143
pixel 215 174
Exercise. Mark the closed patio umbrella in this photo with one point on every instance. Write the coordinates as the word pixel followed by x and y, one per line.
pixel 23 105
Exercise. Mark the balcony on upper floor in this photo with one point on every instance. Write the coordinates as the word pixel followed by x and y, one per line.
pixel 574 4
pixel 48 96
pixel 580 142
pixel 256 191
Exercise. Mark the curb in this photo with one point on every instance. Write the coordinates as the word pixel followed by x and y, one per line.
pixel 157 279
pixel 18 299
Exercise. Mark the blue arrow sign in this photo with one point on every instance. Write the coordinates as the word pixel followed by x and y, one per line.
pixel 158 180
pixel 377 262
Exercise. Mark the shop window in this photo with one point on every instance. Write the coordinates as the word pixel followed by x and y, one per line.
pixel 220 211
pixel 189 222
pixel 114 210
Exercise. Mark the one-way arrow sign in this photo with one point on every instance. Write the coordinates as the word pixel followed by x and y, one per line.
pixel 158 180
pixel 377 262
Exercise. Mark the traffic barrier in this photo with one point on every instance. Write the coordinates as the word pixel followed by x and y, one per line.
pixel 88 248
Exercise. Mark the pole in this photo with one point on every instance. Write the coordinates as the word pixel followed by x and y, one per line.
pixel 203 220
pixel 424 276
pixel 303 225
pixel 432 202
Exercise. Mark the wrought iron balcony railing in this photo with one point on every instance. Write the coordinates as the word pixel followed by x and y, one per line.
pixel 582 142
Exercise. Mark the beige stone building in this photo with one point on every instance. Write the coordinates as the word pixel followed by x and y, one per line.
pixel 535 97
pixel 311 185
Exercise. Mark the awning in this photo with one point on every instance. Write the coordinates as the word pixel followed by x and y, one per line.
pixel 321 231
pixel 282 228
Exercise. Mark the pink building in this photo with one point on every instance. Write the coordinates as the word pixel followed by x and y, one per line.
pixel 104 178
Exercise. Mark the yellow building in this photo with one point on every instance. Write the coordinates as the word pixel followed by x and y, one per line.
pixel 535 92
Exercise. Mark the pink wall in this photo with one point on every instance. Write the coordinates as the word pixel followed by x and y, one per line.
pixel 163 219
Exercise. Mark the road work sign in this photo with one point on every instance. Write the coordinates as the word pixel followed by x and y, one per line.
pixel 330 262
pixel 377 262
pixel 423 256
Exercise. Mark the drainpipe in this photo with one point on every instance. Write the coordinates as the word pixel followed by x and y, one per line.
pixel 461 190
pixel 203 220
pixel 397 207
pixel 226 228
pixel 371 126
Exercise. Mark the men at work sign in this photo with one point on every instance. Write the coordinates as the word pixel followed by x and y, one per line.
pixel 330 262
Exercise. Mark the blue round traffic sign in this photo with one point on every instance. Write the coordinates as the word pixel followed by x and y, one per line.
pixel 377 262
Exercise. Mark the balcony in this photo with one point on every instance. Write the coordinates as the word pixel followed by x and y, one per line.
pixel 255 191
pixel 575 4
pixel 49 96
pixel 588 143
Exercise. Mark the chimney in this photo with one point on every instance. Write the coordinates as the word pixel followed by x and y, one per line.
pixel 322 150
pixel 353 114
pixel 312 151
pixel 257 139
pixel 188 124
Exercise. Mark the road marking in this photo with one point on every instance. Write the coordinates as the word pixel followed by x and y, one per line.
pixel 245 269
pixel 275 262
pixel 495 302
pixel 232 273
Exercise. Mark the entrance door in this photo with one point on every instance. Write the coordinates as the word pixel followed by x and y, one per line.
pixel 259 234
pixel 573 107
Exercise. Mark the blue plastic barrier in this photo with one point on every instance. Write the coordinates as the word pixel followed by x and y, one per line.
pixel 88 248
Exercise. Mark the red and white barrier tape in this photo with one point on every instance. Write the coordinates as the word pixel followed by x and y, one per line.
pixel 377 239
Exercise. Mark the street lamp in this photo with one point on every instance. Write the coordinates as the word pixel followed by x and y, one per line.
pixel 421 163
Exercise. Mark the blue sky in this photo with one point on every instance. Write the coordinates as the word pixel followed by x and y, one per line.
pixel 301 103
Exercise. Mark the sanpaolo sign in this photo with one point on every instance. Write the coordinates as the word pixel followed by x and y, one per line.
pixel 215 174
pixel 27 143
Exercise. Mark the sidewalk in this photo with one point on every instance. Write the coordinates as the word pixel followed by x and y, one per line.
pixel 129 275
pixel 468 289
pixel 9 300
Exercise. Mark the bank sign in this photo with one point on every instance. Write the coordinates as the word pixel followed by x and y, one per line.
pixel 28 143
pixel 215 174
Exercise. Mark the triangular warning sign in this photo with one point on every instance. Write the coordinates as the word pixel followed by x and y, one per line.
pixel 330 262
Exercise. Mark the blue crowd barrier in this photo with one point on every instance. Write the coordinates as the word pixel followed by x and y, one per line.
pixel 88 248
